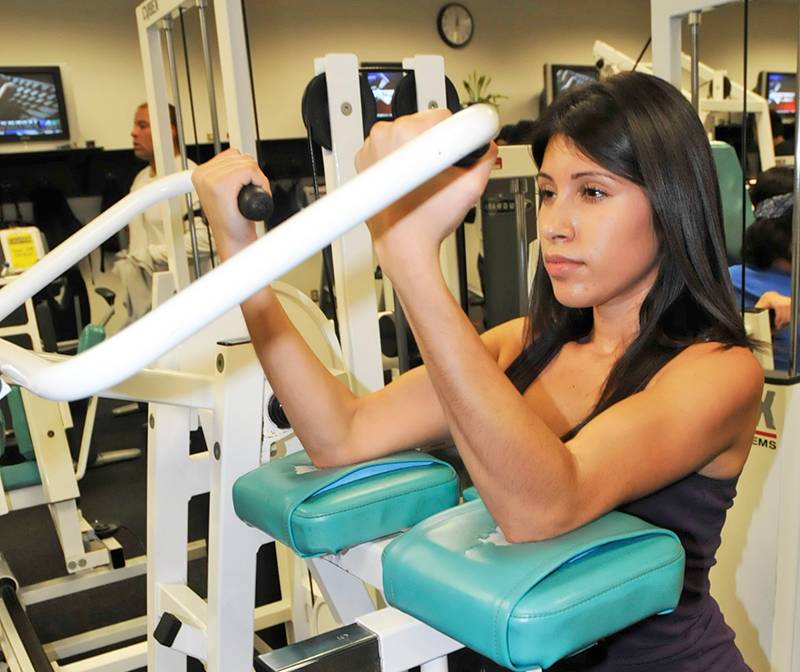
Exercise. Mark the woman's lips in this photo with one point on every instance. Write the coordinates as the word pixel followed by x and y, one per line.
pixel 558 266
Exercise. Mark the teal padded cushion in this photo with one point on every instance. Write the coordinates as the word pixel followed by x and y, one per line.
pixel 317 511
pixel 19 420
pixel 90 335
pixel 470 493
pixel 729 175
pixel 22 475
pixel 531 604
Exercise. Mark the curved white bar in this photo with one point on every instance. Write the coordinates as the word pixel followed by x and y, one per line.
pixel 254 267
pixel 78 245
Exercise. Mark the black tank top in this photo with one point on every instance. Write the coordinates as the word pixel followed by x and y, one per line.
pixel 694 637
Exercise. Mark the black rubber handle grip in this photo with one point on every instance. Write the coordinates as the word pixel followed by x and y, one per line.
pixel 472 157
pixel 255 203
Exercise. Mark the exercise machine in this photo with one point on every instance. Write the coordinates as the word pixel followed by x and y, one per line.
pixel 220 631
pixel 506 220
pixel 725 97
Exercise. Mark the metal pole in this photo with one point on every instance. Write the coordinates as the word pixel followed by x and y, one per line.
pixel 166 26
pixel 795 237
pixel 694 29
pixel 212 95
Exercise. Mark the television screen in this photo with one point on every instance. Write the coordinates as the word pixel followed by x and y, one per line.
pixel 567 76
pixel 383 82
pixel 32 104
pixel 781 87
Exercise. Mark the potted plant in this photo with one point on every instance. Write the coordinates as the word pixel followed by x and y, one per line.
pixel 477 88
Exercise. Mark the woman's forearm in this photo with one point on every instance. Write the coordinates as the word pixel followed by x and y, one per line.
pixel 522 469
pixel 318 405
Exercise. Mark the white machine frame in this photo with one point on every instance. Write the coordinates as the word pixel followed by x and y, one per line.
pixel 228 380
pixel 708 106
pixel 513 161
pixel 353 259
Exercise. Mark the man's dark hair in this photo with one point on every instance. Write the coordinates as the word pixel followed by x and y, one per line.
pixel 767 241
pixel 523 132
pixel 642 129
pixel 505 133
pixel 773 182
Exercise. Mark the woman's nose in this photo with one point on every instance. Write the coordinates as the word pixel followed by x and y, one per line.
pixel 558 222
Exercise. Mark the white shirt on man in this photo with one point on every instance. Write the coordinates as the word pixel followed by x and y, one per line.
pixel 147 250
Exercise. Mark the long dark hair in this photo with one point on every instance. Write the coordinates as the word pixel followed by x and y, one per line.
pixel 641 128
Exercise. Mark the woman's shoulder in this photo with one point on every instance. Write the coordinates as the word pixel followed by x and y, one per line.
pixel 731 369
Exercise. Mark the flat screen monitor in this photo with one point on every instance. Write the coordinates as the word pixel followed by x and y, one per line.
pixel 779 90
pixel 560 77
pixel 32 104
pixel 383 80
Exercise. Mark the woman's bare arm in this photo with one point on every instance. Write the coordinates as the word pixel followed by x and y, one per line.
pixel 334 425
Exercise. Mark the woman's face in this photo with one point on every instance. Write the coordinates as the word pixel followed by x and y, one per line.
pixel 596 232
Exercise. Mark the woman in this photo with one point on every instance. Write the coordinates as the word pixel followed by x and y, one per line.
pixel 630 385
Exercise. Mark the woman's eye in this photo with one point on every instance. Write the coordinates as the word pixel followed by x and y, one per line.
pixel 593 193
pixel 546 194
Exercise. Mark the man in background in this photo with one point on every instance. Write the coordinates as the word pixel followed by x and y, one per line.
pixel 146 251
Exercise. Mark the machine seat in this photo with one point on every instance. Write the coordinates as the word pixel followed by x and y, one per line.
pixel 26 474
pixel 18 476
pixel 729 174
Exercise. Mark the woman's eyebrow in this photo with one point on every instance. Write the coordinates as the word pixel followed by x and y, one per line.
pixel 585 173
pixel 593 173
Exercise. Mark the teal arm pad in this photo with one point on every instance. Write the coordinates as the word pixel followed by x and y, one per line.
pixel 531 604
pixel 316 511
pixel 470 493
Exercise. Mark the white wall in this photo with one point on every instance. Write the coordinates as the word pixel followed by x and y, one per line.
pixel 97 40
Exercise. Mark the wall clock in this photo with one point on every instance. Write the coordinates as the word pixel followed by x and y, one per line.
pixel 455 24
